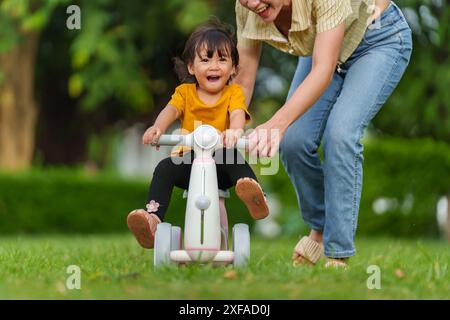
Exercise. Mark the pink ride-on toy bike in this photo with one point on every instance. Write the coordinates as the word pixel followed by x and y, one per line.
pixel 206 223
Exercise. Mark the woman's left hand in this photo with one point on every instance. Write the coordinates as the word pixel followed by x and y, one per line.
pixel 265 140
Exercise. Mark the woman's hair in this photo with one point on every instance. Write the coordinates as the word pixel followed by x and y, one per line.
pixel 213 36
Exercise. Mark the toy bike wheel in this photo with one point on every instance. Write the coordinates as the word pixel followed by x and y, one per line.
pixel 241 245
pixel 176 239
pixel 163 239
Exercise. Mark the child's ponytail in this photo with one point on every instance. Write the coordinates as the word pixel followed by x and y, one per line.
pixel 182 71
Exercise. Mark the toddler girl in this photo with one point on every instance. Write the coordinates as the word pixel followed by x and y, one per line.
pixel 209 61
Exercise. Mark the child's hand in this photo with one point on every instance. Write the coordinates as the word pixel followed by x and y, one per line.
pixel 151 136
pixel 230 137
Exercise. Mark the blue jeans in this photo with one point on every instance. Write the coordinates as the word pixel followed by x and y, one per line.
pixel 329 192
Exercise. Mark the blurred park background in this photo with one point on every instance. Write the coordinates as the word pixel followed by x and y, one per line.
pixel 75 102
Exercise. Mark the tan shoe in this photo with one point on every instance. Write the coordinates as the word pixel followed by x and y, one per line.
pixel 307 252
pixel 143 226
pixel 251 194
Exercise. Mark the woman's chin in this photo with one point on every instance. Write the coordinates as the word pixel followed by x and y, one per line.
pixel 267 19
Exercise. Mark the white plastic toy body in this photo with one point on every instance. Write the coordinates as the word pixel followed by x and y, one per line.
pixel 205 239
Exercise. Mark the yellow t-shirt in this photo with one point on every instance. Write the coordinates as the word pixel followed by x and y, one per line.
pixel 191 109
pixel 193 112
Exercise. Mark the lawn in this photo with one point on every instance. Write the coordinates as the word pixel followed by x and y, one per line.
pixel 115 267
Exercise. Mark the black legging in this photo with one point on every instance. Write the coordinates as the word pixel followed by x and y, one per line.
pixel 175 171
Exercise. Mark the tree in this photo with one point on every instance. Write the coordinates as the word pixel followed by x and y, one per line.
pixel 20 24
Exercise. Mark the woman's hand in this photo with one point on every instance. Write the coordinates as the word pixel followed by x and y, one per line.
pixel 151 136
pixel 230 137
pixel 265 140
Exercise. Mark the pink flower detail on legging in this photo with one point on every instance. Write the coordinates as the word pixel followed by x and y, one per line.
pixel 152 206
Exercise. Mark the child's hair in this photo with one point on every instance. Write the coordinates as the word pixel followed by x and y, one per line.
pixel 213 36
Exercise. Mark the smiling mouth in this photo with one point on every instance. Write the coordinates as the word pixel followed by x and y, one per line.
pixel 262 9
pixel 213 78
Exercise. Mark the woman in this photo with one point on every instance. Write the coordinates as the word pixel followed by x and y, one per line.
pixel 352 54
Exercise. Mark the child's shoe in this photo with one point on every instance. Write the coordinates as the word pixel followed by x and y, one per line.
pixel 143 225
pixel 250 192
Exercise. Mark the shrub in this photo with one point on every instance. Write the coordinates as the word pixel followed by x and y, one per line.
pixel 411 176
pixel 68 201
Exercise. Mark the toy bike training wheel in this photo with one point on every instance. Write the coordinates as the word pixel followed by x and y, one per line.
pixel 163 239
pixel 241 245
pixel 176 239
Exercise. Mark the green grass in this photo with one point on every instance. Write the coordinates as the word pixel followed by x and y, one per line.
pixel 115 267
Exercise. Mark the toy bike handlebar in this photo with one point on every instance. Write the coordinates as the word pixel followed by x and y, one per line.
pixel 204 136
pixel 183 140
pixel 171 140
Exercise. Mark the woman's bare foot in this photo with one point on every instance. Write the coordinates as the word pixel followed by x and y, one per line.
pixel 250 192
pixel 337 263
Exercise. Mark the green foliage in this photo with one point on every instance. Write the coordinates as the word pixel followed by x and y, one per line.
pixel 117 41
pixel 64 201
pixel 106 60
pixel 26 15
pixel 420 106
pixel 190 13
pixel 8 36
pixel 411 175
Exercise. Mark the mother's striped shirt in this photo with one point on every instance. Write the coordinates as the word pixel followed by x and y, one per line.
pixel 309 17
